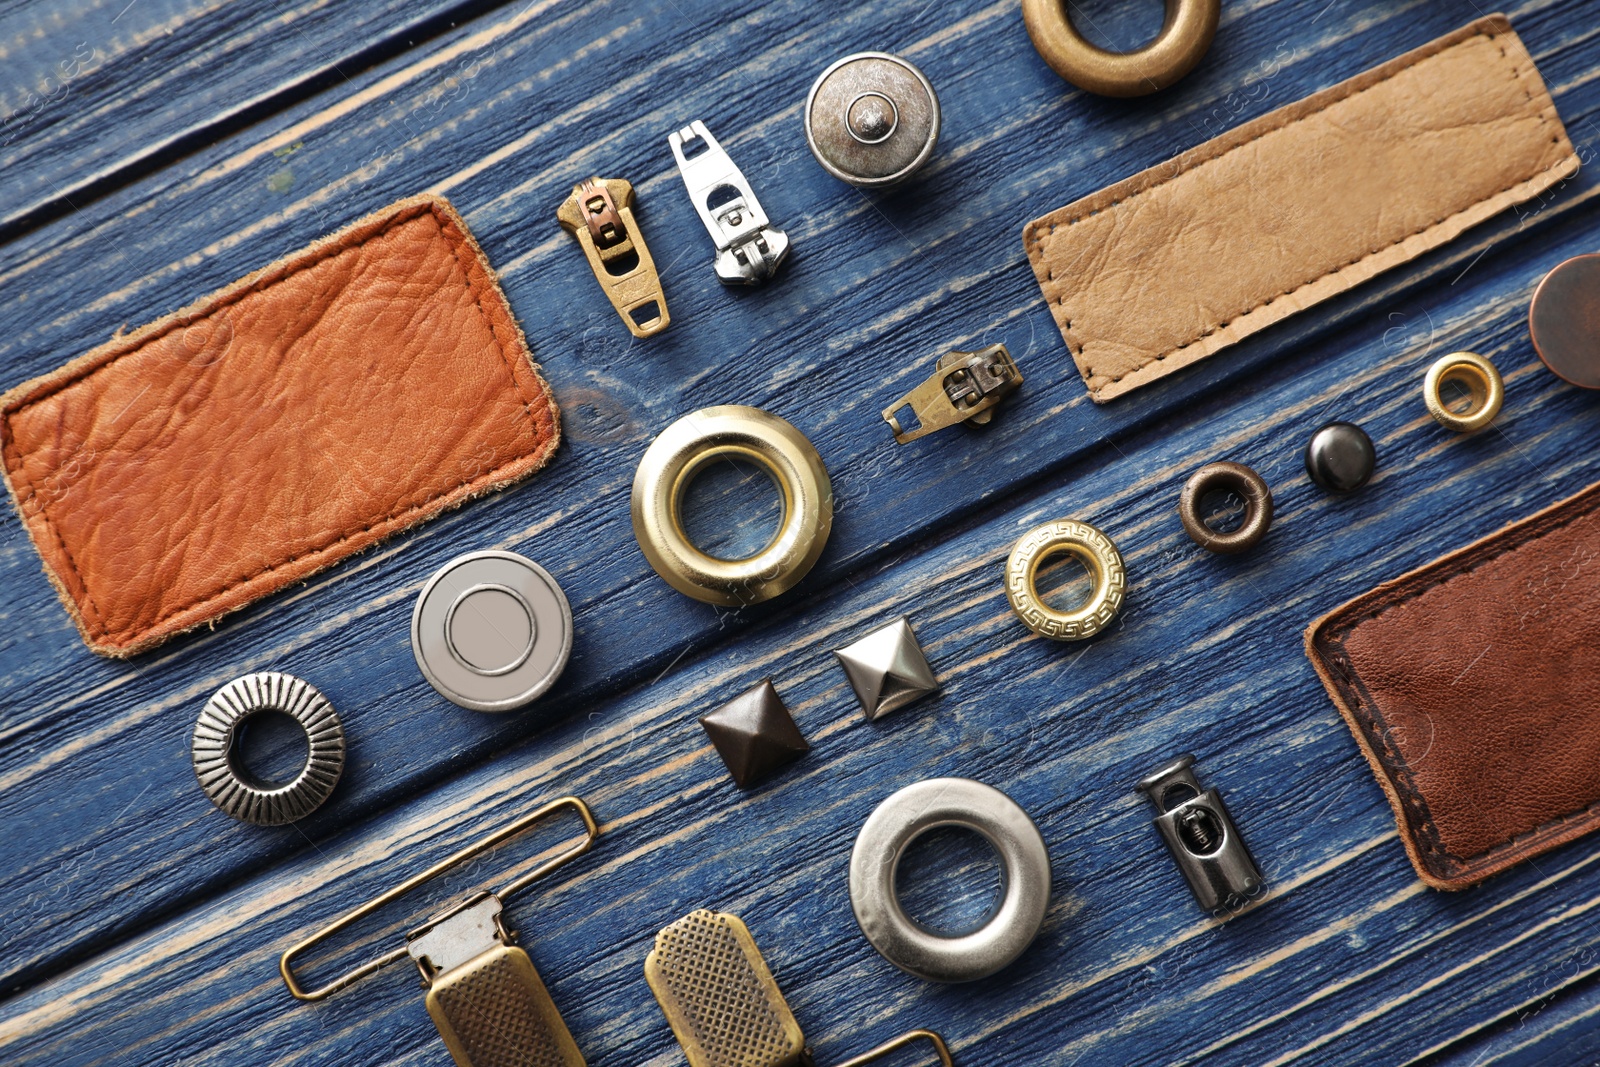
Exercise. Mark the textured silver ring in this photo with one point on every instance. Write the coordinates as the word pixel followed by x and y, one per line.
pixel 230 786
pixel 1025 878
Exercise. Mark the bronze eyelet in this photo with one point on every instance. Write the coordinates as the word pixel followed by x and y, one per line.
pixel 1226 477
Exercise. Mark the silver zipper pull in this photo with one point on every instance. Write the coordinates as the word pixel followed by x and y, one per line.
pixel 749 247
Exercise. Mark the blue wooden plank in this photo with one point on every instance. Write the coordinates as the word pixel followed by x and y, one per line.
pixel 94 93
pixel 609 583
pixel 1208 656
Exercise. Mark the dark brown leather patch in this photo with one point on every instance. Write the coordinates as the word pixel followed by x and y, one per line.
pixel 1473 687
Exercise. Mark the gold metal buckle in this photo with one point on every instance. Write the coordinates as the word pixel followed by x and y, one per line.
pixel 484 995
pixel 599 213
pixel 724 1006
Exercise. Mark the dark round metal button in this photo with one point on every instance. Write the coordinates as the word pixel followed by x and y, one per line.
pixel 491 631
pixel 1564 320
pixel 1227 478
pixel 872 119
pixel 1340 457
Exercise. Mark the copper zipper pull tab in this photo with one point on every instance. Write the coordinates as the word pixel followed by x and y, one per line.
pixel 599 213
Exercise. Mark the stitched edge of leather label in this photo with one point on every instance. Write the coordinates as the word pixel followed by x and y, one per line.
pixel 1166 267
pixel 94 380
pixel 1363 713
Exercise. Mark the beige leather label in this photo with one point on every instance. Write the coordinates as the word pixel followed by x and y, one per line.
pixel 1164 268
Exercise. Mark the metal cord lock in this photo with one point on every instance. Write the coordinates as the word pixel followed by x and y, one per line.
pixel 484 995
pixel 1201 836
pixel 965 387
pixel 599 213
pixel 1184 38
pixel 724 1006
pixel 749 247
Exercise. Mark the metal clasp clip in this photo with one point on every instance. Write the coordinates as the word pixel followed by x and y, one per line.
pixel 965 387
pixel 470 962
pixel 1201 836
pixel 749 247
pixel 724 1006
pixel 599 213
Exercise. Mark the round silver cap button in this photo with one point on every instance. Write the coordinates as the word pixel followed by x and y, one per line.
pixel 872 119
pixel 491 631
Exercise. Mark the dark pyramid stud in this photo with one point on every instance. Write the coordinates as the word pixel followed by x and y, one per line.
pixel 887 669
pixel 755 735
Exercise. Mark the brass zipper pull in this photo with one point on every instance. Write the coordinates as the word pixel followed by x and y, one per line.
pixel 599 213
pixel 965 387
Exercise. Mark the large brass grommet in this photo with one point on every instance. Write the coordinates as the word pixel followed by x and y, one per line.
pixel 1099 557
pixel 1481 380
pixel 1227 478
pixel 1184 38
pixel 688 446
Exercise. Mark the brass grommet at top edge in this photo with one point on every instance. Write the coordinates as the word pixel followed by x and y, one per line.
pixel 684 449
pixel 1098 555
pixel 1184 38
pixel 1226 477
pixel 1479 376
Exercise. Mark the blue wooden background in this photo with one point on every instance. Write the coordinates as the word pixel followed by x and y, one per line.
pixel 155 149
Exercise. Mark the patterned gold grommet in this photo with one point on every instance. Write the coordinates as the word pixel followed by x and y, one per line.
pixel 1097 554
pixel 687 447
pixel 1479 376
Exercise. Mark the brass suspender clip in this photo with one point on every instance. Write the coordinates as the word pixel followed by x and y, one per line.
pixel 965 387
pixel 599 213
pixel 724 1006
pixel 484 995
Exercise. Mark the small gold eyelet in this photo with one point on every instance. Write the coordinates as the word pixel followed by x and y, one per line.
pixel 1480 378
pixel 1091 548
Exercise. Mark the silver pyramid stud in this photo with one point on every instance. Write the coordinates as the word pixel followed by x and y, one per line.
pixel 887 669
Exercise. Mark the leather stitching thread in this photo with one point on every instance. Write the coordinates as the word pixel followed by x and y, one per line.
pixel 1516 77
pixel 334 246
pixel 1330 638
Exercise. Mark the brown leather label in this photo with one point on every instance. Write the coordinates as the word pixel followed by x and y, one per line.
pixel 286 421
pixel 1164 268
pixel 1473 687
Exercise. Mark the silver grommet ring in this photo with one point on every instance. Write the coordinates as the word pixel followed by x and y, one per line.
pixel 1481 380
pixel 1184 38
pixel 688 446
pixel 1025 875
pixel 1099 556
pixel 230 786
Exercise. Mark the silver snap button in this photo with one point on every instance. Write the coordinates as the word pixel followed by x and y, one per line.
pixel 491 631
pixel 872 119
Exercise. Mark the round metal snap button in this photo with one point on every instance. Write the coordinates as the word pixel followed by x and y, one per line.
pixel 1564 319
pixel 872 119
pixel 491 631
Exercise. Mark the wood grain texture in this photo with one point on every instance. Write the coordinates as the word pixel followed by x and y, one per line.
pixel 141 926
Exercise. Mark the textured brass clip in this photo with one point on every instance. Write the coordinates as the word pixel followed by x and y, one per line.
pixel 484 994
pixel 965 387
pixel 599 213
pixel 724 1006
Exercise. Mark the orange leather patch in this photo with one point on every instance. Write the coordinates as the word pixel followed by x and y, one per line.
pixel 286 421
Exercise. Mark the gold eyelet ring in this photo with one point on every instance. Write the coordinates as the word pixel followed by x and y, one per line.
pixel 1091 548
pixel 1479 376
pixel 1184 38
pixel 683 450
